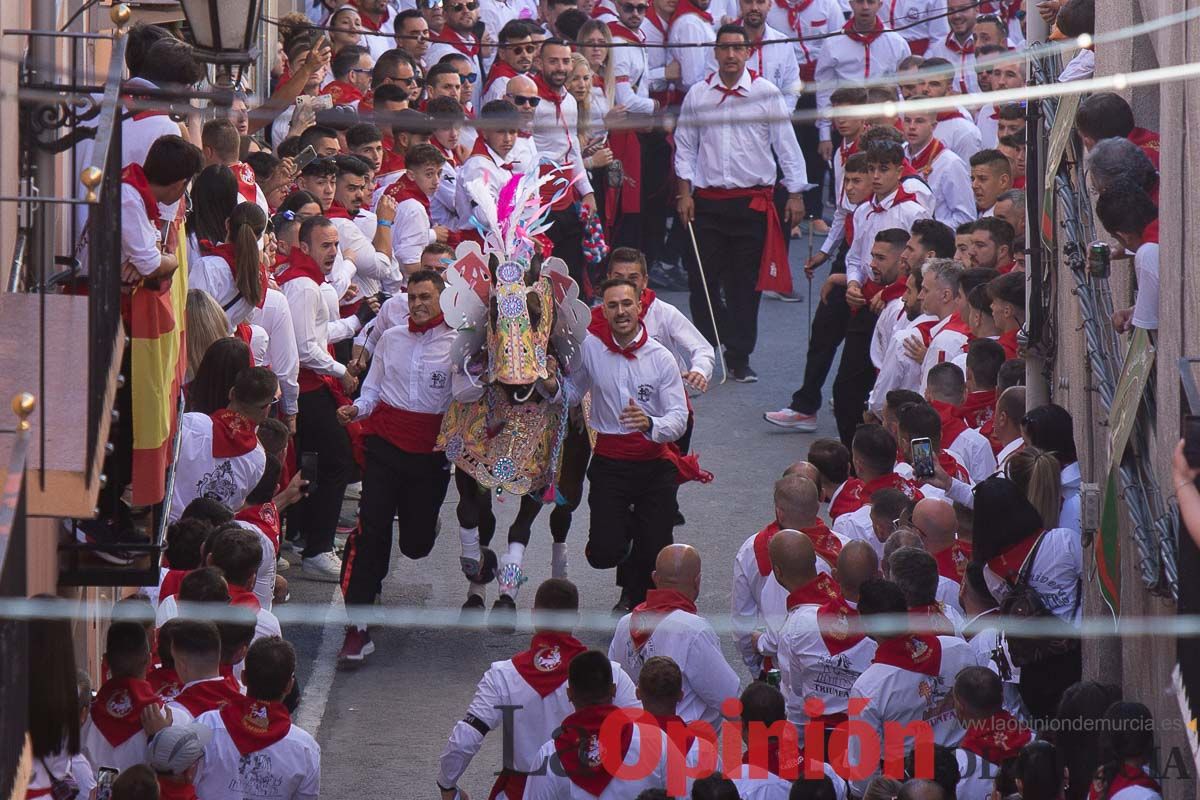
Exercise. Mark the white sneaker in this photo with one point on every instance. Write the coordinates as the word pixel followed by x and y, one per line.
pixel 325 567
pixel 282 564
pixel 794 420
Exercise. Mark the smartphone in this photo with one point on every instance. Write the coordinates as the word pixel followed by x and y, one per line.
pixel 1191 440
pixel 922 457
pixel 305 157
pixel 104 783
pixel 308 470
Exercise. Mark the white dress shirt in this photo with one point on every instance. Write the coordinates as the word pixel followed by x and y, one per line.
pixel 694 62
pixel 630 73
pixel 412 232
pixel 291 767
pixel 651 378
pixel 987 118
pixel 891 318
pixel 556 137
pixel 965 79
pixel 531 718
pixel 972 449
pixel 844 60
pixel 317 324
pixel 777 63
pixel 691 643
pixel 819 18
pixel 720 145
pixel 1007 451
pixel 898 370
pixel 922 20
pixel 409 371
pixel 960 134
pixel 870 218
pixel 373 270
pixel 394 311
pixel 1145 266
pixel 944 345
pixel 668 326
pixel 489 168
pixel 547 784
pixel 949 178
pixel 275 317
pixel 141 239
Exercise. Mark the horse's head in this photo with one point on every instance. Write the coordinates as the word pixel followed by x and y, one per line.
pixel 520 322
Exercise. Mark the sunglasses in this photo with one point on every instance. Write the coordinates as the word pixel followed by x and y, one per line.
pixel 522 100
pixel 360 70
pixel 630 8
pixel 458 7
pixel 521 49
pixel 470 77
pixel 410 81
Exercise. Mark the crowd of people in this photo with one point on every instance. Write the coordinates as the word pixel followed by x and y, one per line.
pixel 319 229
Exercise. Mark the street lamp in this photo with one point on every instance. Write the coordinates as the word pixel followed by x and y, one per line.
pixel 224 33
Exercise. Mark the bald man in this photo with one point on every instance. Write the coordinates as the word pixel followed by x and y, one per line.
pixel 804 469
pixel 858 562
pixel 819 657
pixel 1006 423
pixel 757 599
pixel 667 624
pixel 937 524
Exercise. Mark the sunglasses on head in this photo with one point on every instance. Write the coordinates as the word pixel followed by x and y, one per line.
pixel 987 18
pixel 431 3
pixel 640 8
pixel 522 100
pixel 471 6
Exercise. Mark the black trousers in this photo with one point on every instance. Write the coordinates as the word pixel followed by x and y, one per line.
pixel 633 508
pixel 730 236
pixel 824 338
pixel 810 139
pixel 474 510
pixel 855 375
pixel 317 430
pixel 410 485
pixel 577 454
pixel 566 234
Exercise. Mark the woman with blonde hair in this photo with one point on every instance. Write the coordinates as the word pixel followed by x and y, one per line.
pixel 1037 473
pixel 206 323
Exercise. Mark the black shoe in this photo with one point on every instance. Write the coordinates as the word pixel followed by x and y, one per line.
pixel 503 618
pixel 679 520
pixel 743 374
pixel 473 607
pixel 624 605
pixel 482 571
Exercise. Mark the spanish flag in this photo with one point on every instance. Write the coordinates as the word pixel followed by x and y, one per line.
pixel 157 362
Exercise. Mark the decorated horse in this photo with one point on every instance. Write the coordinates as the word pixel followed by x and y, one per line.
pixel 520 324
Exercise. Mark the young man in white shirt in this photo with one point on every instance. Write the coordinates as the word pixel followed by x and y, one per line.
pixel 220 456
pixel 874 457
pixel 254 742
pixel 1008 309
pixel 958 46
pixel 991 176
pixel 867 50
pixel 946 390
pixel 947 174
pixel 514 56
pixel 318 324
pixel 495 157
pixel 237 552
pixel 732 177
pixel 402 400
pixel 1131 217
pixel 364 237
pixel 915 571
pixel 691 25
pixel 221 145
pixel 527 696
pixel 667 624
pixel 897 369
pixel 775 62
pixel 413 195
pixel 113 735
pixel 196 649
pixel 920 421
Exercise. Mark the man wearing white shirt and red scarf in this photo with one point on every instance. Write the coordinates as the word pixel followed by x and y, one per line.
pixel 638 411
pixel 527 695
pixel 667 624
pixel 514 56
pixel 555 126
pixel 726 186
pixel 874 457
pixel 911 678
pixel 494 159
pixel 945 339
pixel 221 145
pixel 314 305
pixel 958 46
pixel 946 390
pixel 365 237
pixel 922 21
pixel 866 50
pixel 254 742
pixel 220 456
pixel 403 398
pixel 948 176
pixel 113 735
pixel 378 27
pixel 691 25
pixel 413 194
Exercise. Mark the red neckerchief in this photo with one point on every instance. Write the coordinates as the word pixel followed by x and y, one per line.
pixel 952 423
pixel 165 681
pixel 956 323
pixel 772 766
pixel 648 297
pixel 836 621
pixel 233 435
pixel 653 610
pixel 664 722
pixel 824 542
pixel 892 481
pixel 450 156
pixel 621 31
pixel 343 93
pixel 544 665
pixel 208 695
pixel 338 211
pixel 1128 776
pixel 599 323
pixel 1008 564
pixel 549 94
pixel 978 408
pixel 688 7
pixel 915 652
pixel 134 176
pixel 932 619
pixel 922 162
pixel 654 19
pixel 846 149
pixel 254 724
pixel 926 330
pixel 998 738
pixel 175 790
pixel 265 517
pixel 406 189
pixel 227 251
pixel 453 38
pixel 130 100
pixel 728 91
pixel 117 709
pixel 1150 233
pixel 890 291
pixel 604 334
pixel 170 583
pixel 848 500
pixel 794 11
pixel 500 69
pixel 1008 340
pixel 392 161
pixel 865 39
pixel 367 22
pixel 578 747
pixel 944 116
pixel 428 325
pixel 762 540
pixel 481 149
pixel 817 592
pixel 902 196
pixel 244 598
pixel 247 187
pixel 962 49
pixel 952 561
pixel 300 265
pixel 951 467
